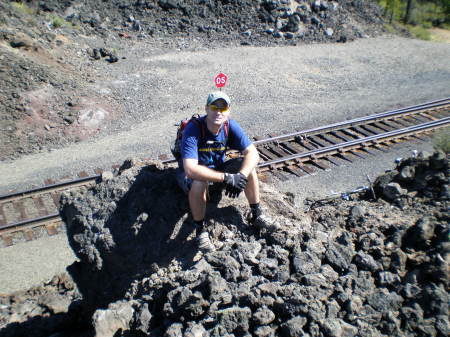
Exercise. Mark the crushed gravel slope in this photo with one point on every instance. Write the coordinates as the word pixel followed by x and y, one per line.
pixel 273 90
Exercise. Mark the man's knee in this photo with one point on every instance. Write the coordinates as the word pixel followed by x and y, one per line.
pixel 253 174
pixel 198 188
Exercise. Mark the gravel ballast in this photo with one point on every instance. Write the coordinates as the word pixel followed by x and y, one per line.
pixel 273 90
pixel 27 264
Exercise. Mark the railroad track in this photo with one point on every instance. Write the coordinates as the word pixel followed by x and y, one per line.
pixel 27 215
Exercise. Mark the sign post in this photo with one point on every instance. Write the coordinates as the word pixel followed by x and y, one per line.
pixel 220 80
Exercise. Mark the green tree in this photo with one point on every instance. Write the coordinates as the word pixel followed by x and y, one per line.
pixel 391 9
pixel 409 7
pixel 417 12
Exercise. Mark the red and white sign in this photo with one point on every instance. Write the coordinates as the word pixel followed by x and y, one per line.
pixel 220 80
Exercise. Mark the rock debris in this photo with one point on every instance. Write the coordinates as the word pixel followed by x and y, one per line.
pixel 358 267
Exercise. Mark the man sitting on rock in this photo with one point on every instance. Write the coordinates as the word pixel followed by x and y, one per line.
pixel 203 163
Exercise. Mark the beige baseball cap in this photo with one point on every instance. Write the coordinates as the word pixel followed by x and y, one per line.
pixel 214 96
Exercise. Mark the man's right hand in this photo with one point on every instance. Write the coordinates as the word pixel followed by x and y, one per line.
pixel 235 183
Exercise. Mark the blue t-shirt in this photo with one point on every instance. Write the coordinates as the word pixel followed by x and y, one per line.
pixel 210 149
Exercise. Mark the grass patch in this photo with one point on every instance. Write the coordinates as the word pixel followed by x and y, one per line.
pixel 22 8
pixel 390 28
pixel 419 32
pixel 73 25
pixel 441 140
pixel 58 22
pixel 440 35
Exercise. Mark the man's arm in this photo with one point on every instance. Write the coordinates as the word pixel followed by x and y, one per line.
pixel 199 172
pixel 251 159
pixel 202 173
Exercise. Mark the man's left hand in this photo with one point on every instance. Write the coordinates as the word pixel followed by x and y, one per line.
pixel 235 184
pixel 232 192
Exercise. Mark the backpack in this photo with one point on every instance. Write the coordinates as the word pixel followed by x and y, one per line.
pixel 176 149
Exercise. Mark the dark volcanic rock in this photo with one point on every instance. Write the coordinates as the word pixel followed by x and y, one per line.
pixel 306 262
pixel 339 256
pixel 294 326
pixel 139 271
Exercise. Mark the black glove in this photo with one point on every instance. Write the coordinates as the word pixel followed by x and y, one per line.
pixel 235 184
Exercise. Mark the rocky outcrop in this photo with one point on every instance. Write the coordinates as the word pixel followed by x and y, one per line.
pixel 421 175
pixel 346 268
pixel 259 22
pixel 41 310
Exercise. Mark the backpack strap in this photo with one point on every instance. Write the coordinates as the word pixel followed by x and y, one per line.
pixel 226 129
pixel 196 119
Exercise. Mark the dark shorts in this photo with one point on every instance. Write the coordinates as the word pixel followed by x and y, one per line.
pixel 230 166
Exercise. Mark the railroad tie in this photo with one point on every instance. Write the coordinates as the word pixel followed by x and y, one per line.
pixel 7 240
pixel 2 217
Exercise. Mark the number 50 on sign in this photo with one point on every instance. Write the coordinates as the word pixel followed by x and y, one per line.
pixel 220 80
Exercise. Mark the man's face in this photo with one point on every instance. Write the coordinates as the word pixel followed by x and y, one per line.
pixel 217 112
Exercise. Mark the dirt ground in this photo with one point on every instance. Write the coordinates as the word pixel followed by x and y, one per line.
pixel 51 53
pixel 440 35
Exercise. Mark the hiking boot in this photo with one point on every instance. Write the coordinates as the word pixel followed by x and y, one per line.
pixel 263 221
pixel 204 243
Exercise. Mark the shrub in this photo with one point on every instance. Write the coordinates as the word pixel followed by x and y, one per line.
pixel 441 140
pixel 22 8
pixel 419 32
pixel 58 22
pixel 390 29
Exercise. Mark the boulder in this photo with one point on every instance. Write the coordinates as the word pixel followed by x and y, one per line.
pixel 338 328
pixel 234 319
pixel 392 191
pixel 438 160
pixel 168 4
pixel 420 234
pixel 174 330
pixel 294 327
pixel 381 181
pixel 292 24
pixel 264 331
pixel 195 330
pixel 366 262
pixel 357 212
pixel 305 262
pixel 327 278
pixel 386 278
pixel 407 173
pixel 263 316
pixel 117 317
pixel 339 256
pixel 382 300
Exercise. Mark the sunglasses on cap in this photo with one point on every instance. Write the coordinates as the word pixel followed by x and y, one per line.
pixel 218 108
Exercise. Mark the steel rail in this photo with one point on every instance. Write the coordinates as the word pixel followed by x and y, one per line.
pixel 392 113
pixel 324 150
pixel 46 188
pixel 56 186
pixel 63 185
pixel 422 104
pixel 314 153
pixel 400 132
pixel 45 218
